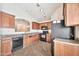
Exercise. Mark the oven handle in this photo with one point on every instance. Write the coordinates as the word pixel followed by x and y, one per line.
pixel 16 38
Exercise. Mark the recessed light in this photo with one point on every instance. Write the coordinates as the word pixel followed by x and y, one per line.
pixel 54 21
pixel 37 5
pixel 41 10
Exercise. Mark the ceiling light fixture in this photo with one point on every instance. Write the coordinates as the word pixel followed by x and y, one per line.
pixel 38 5
pixel 41 10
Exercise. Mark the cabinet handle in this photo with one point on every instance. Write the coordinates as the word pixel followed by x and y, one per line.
pixel 30 36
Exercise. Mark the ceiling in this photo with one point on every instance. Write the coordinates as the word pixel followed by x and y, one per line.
pixel 40 13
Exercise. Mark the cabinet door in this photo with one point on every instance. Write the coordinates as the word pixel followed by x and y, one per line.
pixel 6 46
pixel 58 49
pixel 48 37
pixel 61 49
pixel 35 25
pixel 49 25
pixel 11 21
pixel 71 14
pixel 26 41
pixel 45 24
pixel 8 20
pixel 35 38
pixel 69 50
pixel 5 20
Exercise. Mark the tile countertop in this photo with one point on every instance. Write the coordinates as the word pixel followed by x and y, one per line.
pixel 66 41
pixel 10 32
pixel 17 34
pixel 7 31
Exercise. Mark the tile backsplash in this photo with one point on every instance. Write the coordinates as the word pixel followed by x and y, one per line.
pixel 77 32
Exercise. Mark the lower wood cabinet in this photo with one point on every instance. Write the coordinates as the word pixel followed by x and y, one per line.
pixel 25 41
pixel 68 50
pixel 77 50
pixel 35 38
pixel 58 49
pixel 48 37
pixel 61 49
pixel 28 40
pixel 0 47
pixel 6 46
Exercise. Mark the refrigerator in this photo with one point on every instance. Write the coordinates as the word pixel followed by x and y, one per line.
pixel 59 30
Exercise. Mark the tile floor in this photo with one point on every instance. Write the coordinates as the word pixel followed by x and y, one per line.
pixel 38 49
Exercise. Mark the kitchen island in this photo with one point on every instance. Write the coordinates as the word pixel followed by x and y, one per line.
pixel 65 47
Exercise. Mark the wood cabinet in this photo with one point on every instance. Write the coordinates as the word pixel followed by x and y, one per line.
pixel 48 37
pixel 46 24
pixel 39 25
pixel 35 25
pixel 6 46
pixel 25 41
pixel 77 50
pixel 35 38
pixel 61 49
pixel 0 47
pixel 71 14
pixel 68 50
pixel 7 20
pixel 28 40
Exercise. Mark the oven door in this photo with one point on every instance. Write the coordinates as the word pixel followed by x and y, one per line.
pixel 43 37
pixel 17 43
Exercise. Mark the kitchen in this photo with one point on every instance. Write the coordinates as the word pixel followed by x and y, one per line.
pixel 22 27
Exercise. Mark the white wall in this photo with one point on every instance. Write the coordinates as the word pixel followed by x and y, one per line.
pixel 58 14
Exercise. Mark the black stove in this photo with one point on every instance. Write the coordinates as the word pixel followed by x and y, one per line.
pixel 17 43
pixel 44 34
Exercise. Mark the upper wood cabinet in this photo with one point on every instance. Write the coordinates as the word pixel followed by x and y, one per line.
pixel 39 25
pixel 7 20
pixel 46 24
pixel 71 14
pixel 35 25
